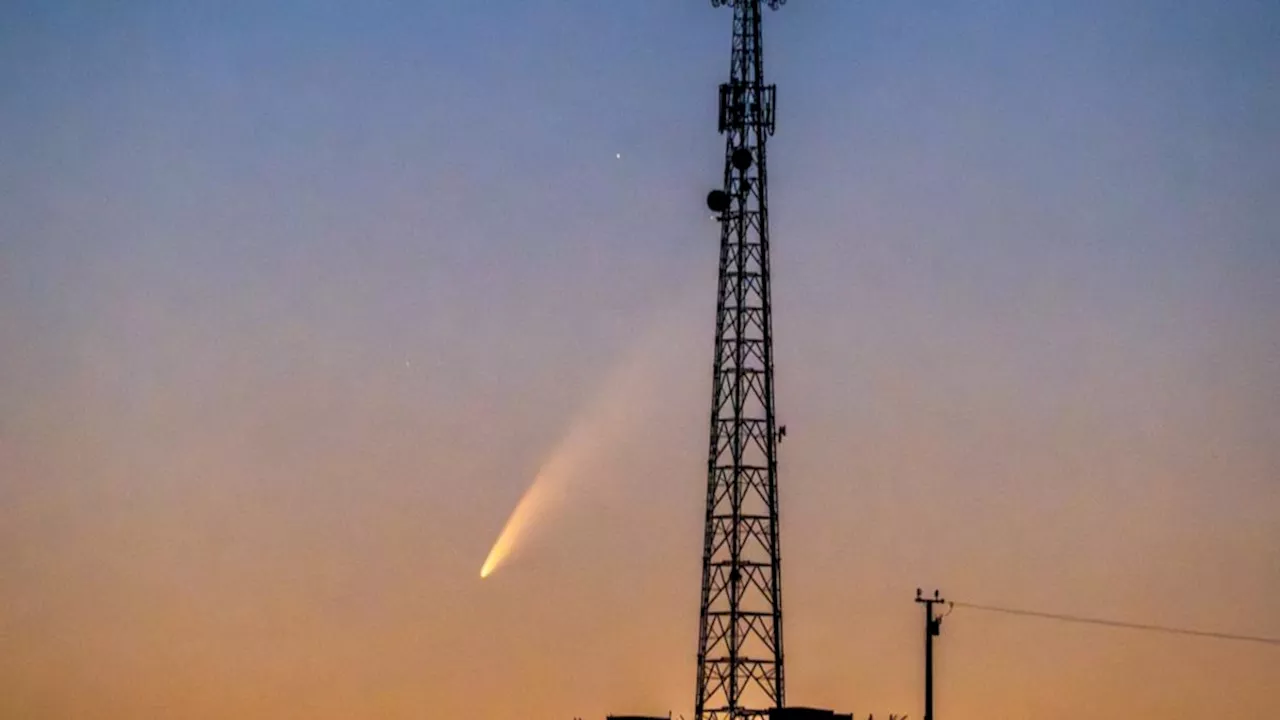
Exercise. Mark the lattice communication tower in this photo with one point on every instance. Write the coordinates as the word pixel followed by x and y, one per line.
pixel 740 668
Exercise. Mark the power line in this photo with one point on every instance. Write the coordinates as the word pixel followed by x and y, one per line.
pixel 1120 624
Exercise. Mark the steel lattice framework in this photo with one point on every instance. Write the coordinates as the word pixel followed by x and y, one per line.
pixel 740 668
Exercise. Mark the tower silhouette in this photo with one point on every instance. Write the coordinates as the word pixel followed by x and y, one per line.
pixel 740 668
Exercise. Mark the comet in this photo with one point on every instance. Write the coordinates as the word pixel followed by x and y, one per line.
pixel 536 501
pixel 628 394
pixel 596 429
pixel 526 509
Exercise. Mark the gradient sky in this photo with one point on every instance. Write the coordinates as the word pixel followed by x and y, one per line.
pixel 297 297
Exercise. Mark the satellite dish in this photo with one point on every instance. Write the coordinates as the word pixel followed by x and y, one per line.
pixel 741 158
pixel 718 201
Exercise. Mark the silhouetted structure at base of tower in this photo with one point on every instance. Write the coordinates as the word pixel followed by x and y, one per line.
pixel 804 713
pixel 787 713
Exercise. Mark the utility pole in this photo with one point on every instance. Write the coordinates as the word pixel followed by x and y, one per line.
pixel 740 669
pixel 932 627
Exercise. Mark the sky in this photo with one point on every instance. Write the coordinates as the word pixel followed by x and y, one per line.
pixel 297 298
